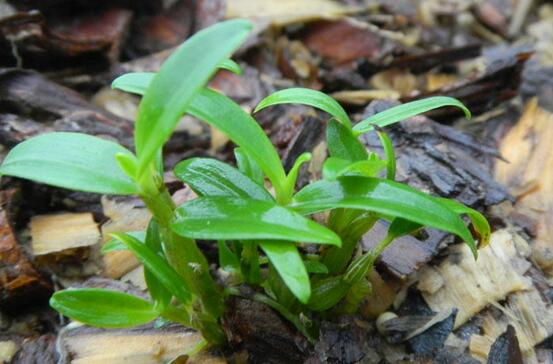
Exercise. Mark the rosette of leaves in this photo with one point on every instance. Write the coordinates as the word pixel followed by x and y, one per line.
pixel 252 211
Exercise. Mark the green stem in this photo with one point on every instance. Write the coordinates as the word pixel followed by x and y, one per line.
pixel 188 260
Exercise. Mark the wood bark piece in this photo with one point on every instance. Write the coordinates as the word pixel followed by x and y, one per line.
pixel 126 214
pixel 498 272
pixel 90 41
pixel 140 345
pixel 44 106
pixel 20 283
pixel 505 349
pixel 37 350
pixel 60 232
pixel 528 173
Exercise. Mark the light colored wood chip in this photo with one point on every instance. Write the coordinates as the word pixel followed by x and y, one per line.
pixel 136 278
pixel 527 148
pixel 7 351
pixel 59 232
pixel 84 345
pixel 471 285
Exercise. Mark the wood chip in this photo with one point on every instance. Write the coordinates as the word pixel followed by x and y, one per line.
pixel 7 351
pixel 59 232
pixel 526 311
pixel 141 345
pixel 471 285
pixel 527 148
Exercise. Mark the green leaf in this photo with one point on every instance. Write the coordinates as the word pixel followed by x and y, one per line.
pixel 381 196
pixel 230 65
pixel 327 293
pixel 157 266
pixel 180 77
pixel 116 245
pixel 248 166
pixel 224 114
pixel 103 308
pixel 336 167
pixel 233 218
pixel 292 176
pixel 309 97
pixel 227 259
pixel 210 177
pixel 479 222
pixel 316 267
pixel 138 82
pixel 288 263
pixel 159 293
pixel 389 153
pixel 343 144
pixel 405 111
pixel 70 160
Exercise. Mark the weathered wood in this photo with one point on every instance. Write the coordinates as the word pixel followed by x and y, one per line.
pixel 528 173
pixel 51 107
pixel 141 345
pixel 498 272
pixel 505 349
pixel 20 283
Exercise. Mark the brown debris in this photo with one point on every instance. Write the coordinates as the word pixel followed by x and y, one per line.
pixel 20 283
pixel 43 106
pixel 254 327
pixel 26 39
pixel 341 42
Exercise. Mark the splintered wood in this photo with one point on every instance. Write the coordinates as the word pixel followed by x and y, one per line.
pixel 143 345
pixel 62 232
pixel 471 285
pixel 528 173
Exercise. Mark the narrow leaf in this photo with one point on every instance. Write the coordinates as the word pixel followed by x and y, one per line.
pixel 389 153
pixel 227 259
pixel 336 167
pixel 288 263
pixel 309 97
pixel 382 196
pixel 138 82
pixel 314 266
pixel 185 72
pixel 157 266
pixel 210 177
pixel 405 111
pixel 232 218
pixel 103 308
pixel 343 144
pixel 70 160
pixel 224 114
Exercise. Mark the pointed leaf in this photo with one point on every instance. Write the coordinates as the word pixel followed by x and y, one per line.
pixel 70 160
pixel 157 266
pixel 224 114
pixel 232 218
pixel 405 111
pixel 479 222
pixel 185 72
pixel 138 82
pixel 103 308
pixel 210 177
pixel 309 97
pixel 382 196
pixel 336 167
pixel 288 263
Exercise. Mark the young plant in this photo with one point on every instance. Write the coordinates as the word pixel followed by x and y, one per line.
pixel 260 225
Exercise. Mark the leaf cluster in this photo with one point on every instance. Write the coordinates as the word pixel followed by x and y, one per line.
pixel 253 211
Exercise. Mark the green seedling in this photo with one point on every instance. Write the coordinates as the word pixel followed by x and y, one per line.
pixel 253 212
